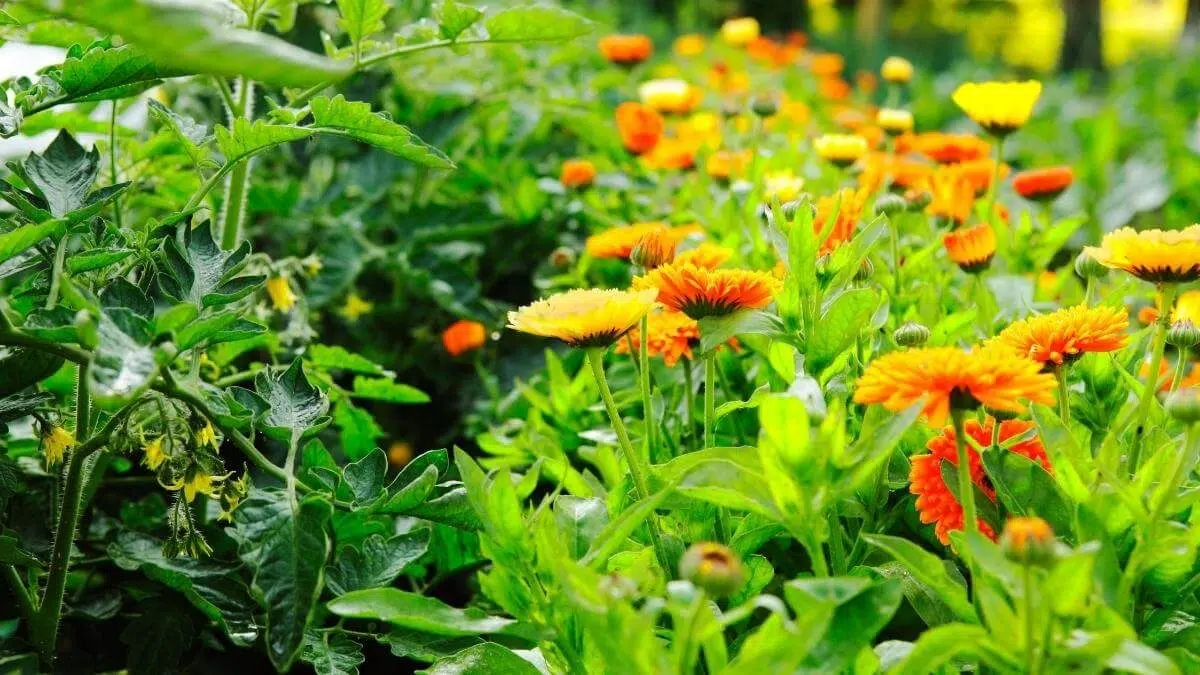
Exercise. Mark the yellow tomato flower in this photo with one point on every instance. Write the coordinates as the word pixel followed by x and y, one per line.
pixel 740 32
pixel 280 292
pixel 584 317
pixel 206 436
pixel 999 107
pixel 55 443
pixel 155 452
pixel 354 307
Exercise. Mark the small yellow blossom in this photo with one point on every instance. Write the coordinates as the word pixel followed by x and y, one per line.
pixel 740 32
pixel 55 443
pixel 205 436
pixel 280 292
pixel 355 307
pixel 155 453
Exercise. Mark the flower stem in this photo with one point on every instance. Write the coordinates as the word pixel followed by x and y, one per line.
pixel 966 489
pixel 895 227
pixel 644 381
pixel 239 178
pixel 994 186
pixel 1027 588
pixel 637 470
pixel 1064 395
pixel 1150 392
pixel 689 395
pixel 1181 363
pixel 710 405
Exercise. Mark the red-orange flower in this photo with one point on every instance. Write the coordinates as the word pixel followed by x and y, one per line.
pixel 670 335
pixel 949 148
pixel 577 173
pixel 1043 184
pixel 834 88
pixel 463 336
pixel 700 291
pixel 978 173
pixel 640 127
pixel 951 195
pixel 971 248
pixel 618 242
pixel 851 203
pixel 1063 336
pixel 936 503
pixel 902 172
pixel 827 65
pixel 626 50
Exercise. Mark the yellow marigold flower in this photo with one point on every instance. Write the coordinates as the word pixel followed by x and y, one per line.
pixel 894 121
pixel 691 44
pixel 584 317
pixel 1152 255
pixel 740 32
pixel 700 291
pixel 896 70
pixel 55 443
pixel 1063 336
pixel 618 242
pixel 952 195
pixel 671 154
pixel 280 292
pixel 726 164
pixel 840 149
pixel 949 377
pixel 155 453
pixel 669 334
pixel 355 306
pixel 706 254
pixel 669 95
pixel 1187 308
pixel 206 436
pixel 999 107
pixel 783 185
pixel 655 249
pixel 971 248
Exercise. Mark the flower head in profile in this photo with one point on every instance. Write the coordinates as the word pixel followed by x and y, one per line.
pixel 1043 185
pixel 1063 336
pixel 740 32
pixel 726 164
pixel 618 242
pixel 640 127
pixel 577 173
pixel 155 453
pixel 971 248
pixel 279 290
pixel 896 70
pixel 894 121
pixel 946 148
pixel 198 482
pixel 701 292
pixel 55 443
pixel 626 50
pixel 977 173
pixel 655 249
pixel 936 503
pixel 584 317
pixel 670 335
pixel 999 107
pixel 669 96
pixel 1152 255
pixel 463 336
pixel 840 149
pixel 706 254
pixel 949 377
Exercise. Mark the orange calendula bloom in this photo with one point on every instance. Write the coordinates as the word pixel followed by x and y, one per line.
pixel 640 127
pixel 971 248
pixel 849 204
pixel 670 335
pixel 726 164
pixel 700 291
pixel 936 503
pixel 947 148
pixel 1152 255
pixel 902 172
pixel 618 242
pixel 626 50
pixel 463 336
pixel 978 173
pixel 951 196
pixel 827 65
pixel 577 173
pixel 833 88
pixel 706 254
pixel 671 154
pixel 999 107
pixel 691 44
pixel 1043 184
pixel 584 318
pixel 1063 336
pixel 948 377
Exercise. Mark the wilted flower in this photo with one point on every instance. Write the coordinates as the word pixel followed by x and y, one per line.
pixel 463 336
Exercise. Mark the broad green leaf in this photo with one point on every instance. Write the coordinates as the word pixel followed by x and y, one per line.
pixel 123 361
pixel 214 588
pixel 196 269
pixel 21 367
pixel 861 608
pixel 1023 486
pixel 411 494
pixel 86 261
pixel 759 573
pixel 360 18
pixel 11 553
pixel 247 138
pixel 101 74
pixel 451 508
pixel 20 405
pixel 717 330
pixel 941 645
pixel 622 527
pixel 17 241
pixel 487 658
pixel 331 652
pixel 453 18
pixel 425 647
pixel 411 610
pixel 579 522
pixel 334 357
pixel 384 389
pixel 927 568
pixel 64 174
pixel 297 408
pixel 377 562
pixel 536 23
pixel 840 323
pixel 354 119
pixel 197 331
pixel 56 324
pixel 365 477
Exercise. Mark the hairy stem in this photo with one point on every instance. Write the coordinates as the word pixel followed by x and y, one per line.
pixel 237 186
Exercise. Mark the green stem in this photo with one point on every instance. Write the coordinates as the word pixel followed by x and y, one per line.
pixel 1150 391
pixel 837 549
pixel 239 177
pixel 994 186
pixel 19 591
pixel 1064 396
pixel 816 554
pixel 689 395
pixel 1181 363
pixel 112 161
pixel 1027 587
pixel 644 382
pixel 895 228
pixel 60 256
pixel 637 470
pixel 710 405
pixel 966 489
pixel 688 649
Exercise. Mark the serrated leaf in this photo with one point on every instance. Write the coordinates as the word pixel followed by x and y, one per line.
pixel 419 612
pixel 190 134
pixel 17 241
pixel 297 408
pixel 360 18
pixel 358 430
pixel 536 23
pixel 377 563
pixel 247 138
pixel 11 553
pixel 202 329
pixel 365 477
pixel 123 361
pixel 200 271
pixel 453 18
pixel 354 119
pixel 383 389
pixel 331 652
pixel 334 357
pixel 64 174
pixel 102 74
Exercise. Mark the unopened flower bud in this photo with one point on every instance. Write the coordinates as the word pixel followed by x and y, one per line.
pixel 1183 334
pixel 764 106
pixel 911 334
pixel 896 70
pixel 1184 405
pixel 865 271
pixel 1088 267
pixel 790 209
pixel 712 567
pixel 889 204
pixel 731 109
pixel 655 249
pixel 917 199
pixel 1028 541
pixel 562 258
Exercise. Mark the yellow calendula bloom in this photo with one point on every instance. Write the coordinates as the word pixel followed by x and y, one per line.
pixel 1152 255
pixel 705 254
pixel 669 95
pixel 783 185
pixel 700 292
pixel 655 248
pixel 700 130
pixel 894 121
pixel 205 436
pixel 354 307
pixel 1063 336
pixel 280 292
pixel 740 32
pixel 999 107
pixel 896 70
pixel 55 443
pixel 840 149
pixel 1187 307
pixel 155 453
pixel 584 317
pixel 691 44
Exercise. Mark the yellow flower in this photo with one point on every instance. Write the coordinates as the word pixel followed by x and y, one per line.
pixel 1187 307
pixel 1152 255
pixel 783 185
pixel 840 149
pixel 740 32
pixel 584 317
pixel 669 95
pixel 200 483
pixel 55 443
pixel 705 255
pixel 699 291
pixel 999 107
pixel 971 248
pixel 700 130
pixel 312 265
pixel 280 292
pixel 654 249
pixel 691 44
pixel 354 307
pixel 894 121
pixel 155 453
pixel 618 242
pixel 1063 336
pixel 896 70
pixel 206 436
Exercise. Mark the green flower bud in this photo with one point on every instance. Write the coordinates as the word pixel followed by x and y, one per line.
pixel 1184 405
pixel 1183 334
pixel 1088 267
pixel 562 258
pixel 1001 415
pixel 712 567
pixel 911 334
pixel 764 106
pixel 1028 541
pixel 731 109
pixel 889 204
pixel 917 201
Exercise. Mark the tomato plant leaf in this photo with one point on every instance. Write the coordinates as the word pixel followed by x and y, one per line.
pixel 453 18
pixel 354 119
pixel 196 269
pixel 383 389
pixel 536 23
pixel 296 407
pixel 123 361
pixel 366 475
pixel 377 562
pixel 486 658
pixel 331 652
pixel 360 18
pixel 63 174
pixel 419 612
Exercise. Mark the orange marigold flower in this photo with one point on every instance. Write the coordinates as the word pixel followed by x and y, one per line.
pixel 640 127
pixel 1043 184
pixel 463 336
pixel 866 81
pixel 936 503
pixel 626 50
pixel 584 318
pixel 849 204
pixel 671 154
pixel 1148 314
pixel 726 164
pixel 978 173
pixel 902 172
pixel 618 242
pixel 1152 255
pixel 669 334
pixel 950 148
pixel 706 254
pixel 949 377
pixel 654 249
pixel 577 173
pixel 827 65
pixel 1063 336
pixel 971 248
pixel 700 291
pixel 834 88
pixel 951 196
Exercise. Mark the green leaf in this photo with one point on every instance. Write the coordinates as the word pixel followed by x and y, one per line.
pixel 360 18
pixel 103 74
pixel 453 18
pixel 214 588
pixel 359 432
pixel 11 553
pixel 411 644
pixel 620 528
pixel 536 23
pixel 21 368
pixel 247 138
pixel 286 545
pixel 759 573
pixel 940 645
pixel 411 610
pixel 355 120
pixel 839 325
pixel 378 563
pixel 331 652
pixel 158 638
pixel 487 658
pixel 579 522
pixel 861 608
pixel 365 477
pixel 17 241
pixel 297 409
pixel 383 389
pixel 333 357
pixel 927 568
pixel 411 494
pixel 717 330
pixel 123 362
pixel 98 258
pixel 197 331
pixel 63 174
pixel 1024 487
pixel 198 270
pixel 190 134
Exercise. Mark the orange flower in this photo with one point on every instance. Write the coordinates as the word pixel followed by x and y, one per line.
pixel 399 454
pixel 577 173
pixel 904 173
pixel 1063 336
pixel 978 173
pixel 618 242
pixel 670 335
pixel 1152 255
pixel 1148 315
pixel 671 154
pixel 936 503
pixel 950 148
pixel 1043 184
pixel 971 248
pixel 726 164
pixel 827 65
pixel 463 336
pixel 626 50
pixel 706 254
pixel 947 377
pixel 1166 376
pixel 834 88
pixel 640 127
pixel 952 196
pixel 700 291
pixel 851 203
pixel 866 82
pixel 691 44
